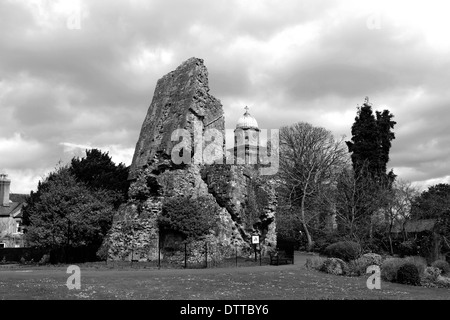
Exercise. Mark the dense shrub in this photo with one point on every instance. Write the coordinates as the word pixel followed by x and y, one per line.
pixel 419 262
pixel 431 274
pixel 443 282
pixel 442 265
pixel 45 259
pixel 359 266
pixel 315 262
pixel 373 258
pixel 345 250
pixel 193 218
pixel 389 269
pixel 408 274
pixel 323 241
pixel 334 266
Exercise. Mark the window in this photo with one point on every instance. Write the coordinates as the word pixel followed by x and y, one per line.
pixel 2 245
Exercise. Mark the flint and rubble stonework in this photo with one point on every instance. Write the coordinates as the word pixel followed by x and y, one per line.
pixel 246 203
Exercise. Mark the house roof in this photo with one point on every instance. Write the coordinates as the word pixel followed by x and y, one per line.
pixel 14 207
pixel 415 226
pixel 18 197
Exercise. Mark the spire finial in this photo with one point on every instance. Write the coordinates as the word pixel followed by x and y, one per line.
pixel 246 110
pixel 366 101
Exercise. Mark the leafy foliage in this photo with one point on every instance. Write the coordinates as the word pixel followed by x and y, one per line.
pixel 432 273
pixel 193 218
pixel 434 203
pixel 371 142
pixel 442 265
pixel 408 274
pixel 389 269
pixel 334 266
pixel 358 267
pixel 64 212
pixel 345 250
pixel 315 262
pixel 99 172
pixel 418 261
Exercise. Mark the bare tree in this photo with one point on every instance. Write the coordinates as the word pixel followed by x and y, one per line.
pixel 310 158
pixel 354 200
pixel 398 208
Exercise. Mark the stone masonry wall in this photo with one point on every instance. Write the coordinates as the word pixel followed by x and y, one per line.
pixel 246 203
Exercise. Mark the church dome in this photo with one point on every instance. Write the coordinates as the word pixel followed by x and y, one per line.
pixel 247 121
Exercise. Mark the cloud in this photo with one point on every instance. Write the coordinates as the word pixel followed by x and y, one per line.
pixel 18 151
pixel 117 153
pixel 63 88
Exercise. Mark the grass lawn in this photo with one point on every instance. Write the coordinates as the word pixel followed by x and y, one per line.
pixel 293 282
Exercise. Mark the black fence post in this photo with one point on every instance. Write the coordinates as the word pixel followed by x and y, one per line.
pixel 260 253
pixel 159 252
pixel 206 254
pixel 132 248
pixel 185 255
pixel 235 246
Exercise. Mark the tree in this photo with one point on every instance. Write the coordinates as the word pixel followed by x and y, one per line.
pixel 99 172
pixel 371 142
pixel 398 208
pixel 64 212
pixel 434 203
pixel 357 196
pixel 310 158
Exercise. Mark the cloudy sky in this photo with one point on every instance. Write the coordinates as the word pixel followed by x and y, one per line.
pixel 81 74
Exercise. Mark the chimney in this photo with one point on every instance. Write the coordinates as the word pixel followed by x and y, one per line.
pixel 4 190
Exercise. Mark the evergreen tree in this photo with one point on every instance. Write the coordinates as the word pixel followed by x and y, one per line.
pixel 371 142
pixel 99 172
pixel 65 212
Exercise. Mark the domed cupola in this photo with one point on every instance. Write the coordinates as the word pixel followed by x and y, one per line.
pixel 247 121
pixel 246 140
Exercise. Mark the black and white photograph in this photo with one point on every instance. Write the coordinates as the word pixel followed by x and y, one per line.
pixel 224 158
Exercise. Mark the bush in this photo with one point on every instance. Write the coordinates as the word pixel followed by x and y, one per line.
pixel 315 263
pixel 192 217
pixel 443 282
pixel 323 241
pixel 345 250
pixel 334 266
pixel 373 258
pixel 389 269
pixel 419 262
pixel 408 274
pixel 442 265
pixel 431 274
pixel 359 266
pixel 45 259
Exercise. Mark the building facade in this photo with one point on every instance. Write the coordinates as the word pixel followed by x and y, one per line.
pixel 11 232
